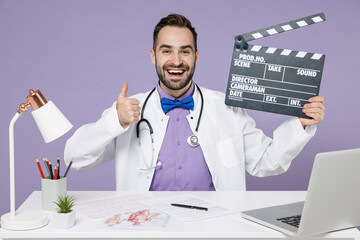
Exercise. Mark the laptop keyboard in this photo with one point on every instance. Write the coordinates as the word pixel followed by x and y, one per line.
pixel 293 220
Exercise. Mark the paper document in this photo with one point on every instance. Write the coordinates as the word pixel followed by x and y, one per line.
pixel 123 212
pixel 105 207
pixel 185 214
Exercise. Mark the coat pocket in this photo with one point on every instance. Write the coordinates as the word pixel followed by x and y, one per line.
pixel 231 151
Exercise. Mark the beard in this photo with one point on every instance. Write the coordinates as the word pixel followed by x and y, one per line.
pixel 175 84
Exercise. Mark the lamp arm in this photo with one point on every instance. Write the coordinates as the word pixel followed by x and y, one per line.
pixel 12 163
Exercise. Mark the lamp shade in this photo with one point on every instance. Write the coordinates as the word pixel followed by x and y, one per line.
pixel 51 122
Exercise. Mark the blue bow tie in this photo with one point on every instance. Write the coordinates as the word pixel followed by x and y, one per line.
pixel 168 104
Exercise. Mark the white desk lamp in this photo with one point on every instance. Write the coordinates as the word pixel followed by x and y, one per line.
pixel 52 125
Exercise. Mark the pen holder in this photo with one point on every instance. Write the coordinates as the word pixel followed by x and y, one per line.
pixel 50 190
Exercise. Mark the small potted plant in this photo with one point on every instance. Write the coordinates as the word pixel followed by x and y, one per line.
pixel 65 215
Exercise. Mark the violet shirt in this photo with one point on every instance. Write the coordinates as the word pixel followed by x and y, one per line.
pixel 183 168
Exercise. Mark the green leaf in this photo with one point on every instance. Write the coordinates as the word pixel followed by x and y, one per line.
pixel 65 203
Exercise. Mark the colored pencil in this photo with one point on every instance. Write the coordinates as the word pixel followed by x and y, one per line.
pixel 38 164
pixel 67 170
pixel 58 168
pixel 47 161
pixel 51 173
pixel 58 171
pixel 55 172
pixel 46 166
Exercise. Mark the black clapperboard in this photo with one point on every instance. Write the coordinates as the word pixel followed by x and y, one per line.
pixel 272 79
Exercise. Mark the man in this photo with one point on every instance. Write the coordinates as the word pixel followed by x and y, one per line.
pixel 198 143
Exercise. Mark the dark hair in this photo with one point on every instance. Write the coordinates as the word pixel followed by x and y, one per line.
pixel 176 20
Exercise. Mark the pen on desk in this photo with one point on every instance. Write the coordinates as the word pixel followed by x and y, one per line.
pixel 189 206
pixel 58 168
pixel 50 169
pixel 68 168
pixel 46 166
pixel 38 164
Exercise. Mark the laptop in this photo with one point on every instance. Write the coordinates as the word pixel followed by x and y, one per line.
pixel 332 201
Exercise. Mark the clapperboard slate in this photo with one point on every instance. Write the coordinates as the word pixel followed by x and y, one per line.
pixel 272 79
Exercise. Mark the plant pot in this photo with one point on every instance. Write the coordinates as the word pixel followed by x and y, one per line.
pixel 64 220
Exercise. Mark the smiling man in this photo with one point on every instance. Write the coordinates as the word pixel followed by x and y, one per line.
pixel 180 136
pixel 175 63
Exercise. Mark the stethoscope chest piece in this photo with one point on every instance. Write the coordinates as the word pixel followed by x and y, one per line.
pixel 193 141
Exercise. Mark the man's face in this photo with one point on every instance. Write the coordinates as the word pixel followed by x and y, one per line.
pixel 174 57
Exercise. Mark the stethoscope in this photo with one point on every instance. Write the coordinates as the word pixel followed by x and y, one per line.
pixel 192 140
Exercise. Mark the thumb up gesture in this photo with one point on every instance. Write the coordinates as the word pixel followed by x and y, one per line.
pixel 128 109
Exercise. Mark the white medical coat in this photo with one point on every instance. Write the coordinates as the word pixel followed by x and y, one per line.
pixel 228 138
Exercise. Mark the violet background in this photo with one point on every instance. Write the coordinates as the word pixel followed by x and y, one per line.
pixel 79 53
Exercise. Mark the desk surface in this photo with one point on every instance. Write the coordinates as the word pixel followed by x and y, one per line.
pixel 230 226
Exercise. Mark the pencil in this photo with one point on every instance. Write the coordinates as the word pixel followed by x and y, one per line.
pixel 50 169
pixel 58 168
pixel 55 172
pixel 47 161
pixel 67 170
pixel 46 166
pixel 38 164
pixel 58 171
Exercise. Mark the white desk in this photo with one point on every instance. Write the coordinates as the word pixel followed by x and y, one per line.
pixel 226 227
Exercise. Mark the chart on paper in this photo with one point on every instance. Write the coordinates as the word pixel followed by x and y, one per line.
pixel 141 218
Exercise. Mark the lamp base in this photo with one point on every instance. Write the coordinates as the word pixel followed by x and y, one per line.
pixel 24 220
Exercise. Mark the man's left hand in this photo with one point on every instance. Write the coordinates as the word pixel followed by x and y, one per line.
pixel 315 109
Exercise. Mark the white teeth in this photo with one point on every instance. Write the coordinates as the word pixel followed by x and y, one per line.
pixel 175 71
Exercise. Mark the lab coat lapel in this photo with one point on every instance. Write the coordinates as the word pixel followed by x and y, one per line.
pixel 207 143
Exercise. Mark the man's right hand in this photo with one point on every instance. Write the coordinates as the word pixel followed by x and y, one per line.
pixel 128 109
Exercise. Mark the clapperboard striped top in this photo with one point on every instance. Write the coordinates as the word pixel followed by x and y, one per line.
pixel 283 27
